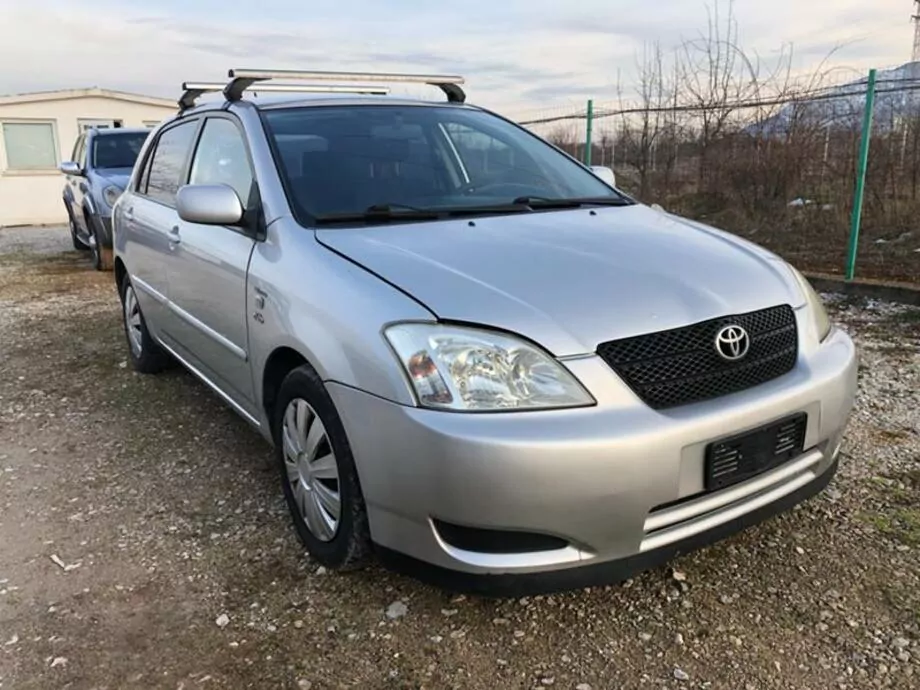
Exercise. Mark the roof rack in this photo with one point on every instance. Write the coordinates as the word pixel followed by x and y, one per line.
pixel 192 91
pixel 243 79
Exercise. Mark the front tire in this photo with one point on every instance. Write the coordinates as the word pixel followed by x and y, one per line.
pixel 102 255
pixel 147 357
pixel 318 473
pixel 78 244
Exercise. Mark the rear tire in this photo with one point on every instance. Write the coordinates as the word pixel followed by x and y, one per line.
pixel 318 473
pixel 147 357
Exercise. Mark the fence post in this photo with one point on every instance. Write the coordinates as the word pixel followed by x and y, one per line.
pixel 862 165
pixel 589 127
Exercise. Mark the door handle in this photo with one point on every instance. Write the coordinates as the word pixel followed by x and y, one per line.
pixel 129 213
pixel 174 237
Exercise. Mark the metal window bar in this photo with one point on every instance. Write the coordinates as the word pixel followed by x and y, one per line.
pixel 192 91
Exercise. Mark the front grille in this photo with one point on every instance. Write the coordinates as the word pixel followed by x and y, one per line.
pixel 682 366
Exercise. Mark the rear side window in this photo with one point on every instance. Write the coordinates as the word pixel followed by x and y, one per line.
pixel 221 158
pixel 168 162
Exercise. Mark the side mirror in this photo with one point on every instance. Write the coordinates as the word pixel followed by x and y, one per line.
pixel 70 168
pixel 208 204
pixel 605 173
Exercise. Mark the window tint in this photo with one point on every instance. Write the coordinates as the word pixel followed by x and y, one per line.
pixel 484 156
pixel 221 159
pixel 117 150
pixel 29 145
pixel 346 159
pixel 168 162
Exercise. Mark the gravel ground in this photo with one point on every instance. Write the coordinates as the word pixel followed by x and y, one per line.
pixel 145 544
pixel 34 240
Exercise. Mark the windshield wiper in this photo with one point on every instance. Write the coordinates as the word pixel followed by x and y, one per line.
pixel 380 213
pixel 487 209
pixel 454 211
pixel 385 213
pixel 539 202
pixel 395 212
pixel 390 207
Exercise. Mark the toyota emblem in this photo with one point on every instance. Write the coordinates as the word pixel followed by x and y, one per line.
pixel 733 343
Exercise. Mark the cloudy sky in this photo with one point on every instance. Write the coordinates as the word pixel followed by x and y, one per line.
pixel 518 54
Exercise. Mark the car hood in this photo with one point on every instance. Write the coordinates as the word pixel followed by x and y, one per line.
pixel 570 280
pixel 116 176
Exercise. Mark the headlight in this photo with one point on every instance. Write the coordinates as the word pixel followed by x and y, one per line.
pixel 472 370
pixel 111 194
pixel 815 305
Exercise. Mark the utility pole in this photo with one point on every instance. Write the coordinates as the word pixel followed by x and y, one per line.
pixel 916 20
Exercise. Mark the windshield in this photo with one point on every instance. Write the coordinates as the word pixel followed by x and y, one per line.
pixel 347 160
pixel 117 150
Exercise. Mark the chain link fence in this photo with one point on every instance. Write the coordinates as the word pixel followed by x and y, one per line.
pixel 777 165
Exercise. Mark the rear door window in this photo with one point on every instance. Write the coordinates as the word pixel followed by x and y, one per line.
pixel 167 165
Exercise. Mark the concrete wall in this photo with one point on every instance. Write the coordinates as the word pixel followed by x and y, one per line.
pixel 31 197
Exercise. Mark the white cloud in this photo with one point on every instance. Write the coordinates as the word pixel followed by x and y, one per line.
pixel 518 55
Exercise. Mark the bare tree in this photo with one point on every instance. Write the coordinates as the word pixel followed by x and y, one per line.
pixel 713 131
pixel 715 75
pixel 654 94
pixel 565 138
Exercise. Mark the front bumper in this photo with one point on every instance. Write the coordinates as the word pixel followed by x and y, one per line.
pixel 619 483
pixel 599 573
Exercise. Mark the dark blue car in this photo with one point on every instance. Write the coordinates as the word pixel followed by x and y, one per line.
pixel 96 176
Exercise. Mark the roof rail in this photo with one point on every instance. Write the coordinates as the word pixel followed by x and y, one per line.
pixel 192 91
pixel 242 79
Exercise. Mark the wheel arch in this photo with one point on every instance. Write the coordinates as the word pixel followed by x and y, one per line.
pixel 68 206
pixel 278 365
pixel 88 211
pixel 120 272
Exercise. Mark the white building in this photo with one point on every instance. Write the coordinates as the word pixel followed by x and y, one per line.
pixel 38 131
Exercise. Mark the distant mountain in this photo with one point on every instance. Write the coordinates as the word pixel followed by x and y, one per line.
pixel 843 106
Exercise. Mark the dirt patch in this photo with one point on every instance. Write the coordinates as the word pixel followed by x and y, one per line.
pixel 136 512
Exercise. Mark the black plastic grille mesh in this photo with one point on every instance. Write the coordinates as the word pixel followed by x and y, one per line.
pixel 682 366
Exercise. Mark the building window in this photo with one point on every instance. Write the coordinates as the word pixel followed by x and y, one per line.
pixel 30 145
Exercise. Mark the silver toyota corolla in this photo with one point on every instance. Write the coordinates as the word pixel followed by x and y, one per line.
pixel 468 349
